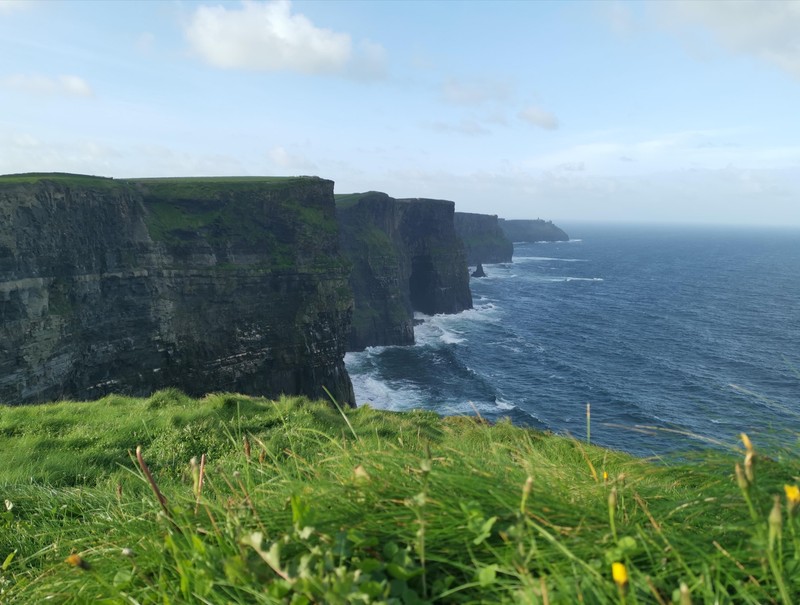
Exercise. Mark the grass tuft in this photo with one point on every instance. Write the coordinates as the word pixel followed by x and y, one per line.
pixel 234 499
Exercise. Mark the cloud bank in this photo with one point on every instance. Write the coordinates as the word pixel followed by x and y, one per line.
pixel 65 85
pixel 536 116
pixel 270 37
pixel 766 29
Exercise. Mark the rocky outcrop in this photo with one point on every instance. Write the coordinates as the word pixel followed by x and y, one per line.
pixel 532 231
pixel 201 284
pixel 406 257
pixel 479 272
pixel 484 240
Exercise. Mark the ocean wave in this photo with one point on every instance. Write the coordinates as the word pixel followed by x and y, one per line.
pixel 503 404
pixel 383 395
pixel 487 311
pixel 548 258
pixel 554 279
pixel 572 241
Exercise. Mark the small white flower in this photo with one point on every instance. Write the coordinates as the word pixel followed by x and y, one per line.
pixel 9 505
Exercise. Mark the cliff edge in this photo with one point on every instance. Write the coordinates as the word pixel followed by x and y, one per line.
pixel 484 240
pixel 532 231
pixel 406 257
pixel 204 284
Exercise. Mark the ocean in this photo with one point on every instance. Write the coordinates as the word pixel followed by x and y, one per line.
pixel 678 337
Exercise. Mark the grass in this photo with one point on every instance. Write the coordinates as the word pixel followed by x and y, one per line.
pixel 298 502
pixel 214 188
pixel 62 178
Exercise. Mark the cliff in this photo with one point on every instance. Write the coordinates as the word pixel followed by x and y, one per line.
pixel 484 240
pixel 532 231
pixel 406 257
pixel 230 284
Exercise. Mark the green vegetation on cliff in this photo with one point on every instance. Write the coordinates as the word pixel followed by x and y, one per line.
pixel 300 503
pixel 62 178
pixel 244 210
pixel 208 284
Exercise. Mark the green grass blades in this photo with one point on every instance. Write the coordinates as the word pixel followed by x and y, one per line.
pixel 298 502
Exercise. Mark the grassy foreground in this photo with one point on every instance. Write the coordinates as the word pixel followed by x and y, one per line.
pixel 296 502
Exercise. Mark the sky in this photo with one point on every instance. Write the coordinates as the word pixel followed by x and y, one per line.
pixel 673 112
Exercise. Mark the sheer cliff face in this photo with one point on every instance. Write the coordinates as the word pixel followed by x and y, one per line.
pixel 484 240
pixel 439 279
pixel 532 231
pixel 203 284
pixel 406 256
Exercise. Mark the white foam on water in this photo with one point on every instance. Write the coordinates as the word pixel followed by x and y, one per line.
pixel 522 259
pixel 450 338
pixel 431 331
pixel 504 404
pixel 379 394
pixel 449 329
pixel 554 279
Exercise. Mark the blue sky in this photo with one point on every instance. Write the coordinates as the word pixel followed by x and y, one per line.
pixel 615 111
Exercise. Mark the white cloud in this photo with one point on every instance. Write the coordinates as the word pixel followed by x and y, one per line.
pixel 267 36
pixel 9 6
pixel 59 152
pixel 67 85
pixel 766 29
pixel 537 116
pixel 727 195
pixel 474 92
pixel 287 160
pixel 25 152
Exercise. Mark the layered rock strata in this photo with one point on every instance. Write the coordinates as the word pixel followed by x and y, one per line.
pixel 202 284
pixel 484 240
pixel 406 257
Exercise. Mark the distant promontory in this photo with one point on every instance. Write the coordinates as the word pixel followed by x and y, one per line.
pixel 536 230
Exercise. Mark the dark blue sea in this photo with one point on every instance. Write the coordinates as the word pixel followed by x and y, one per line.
pixel 677 336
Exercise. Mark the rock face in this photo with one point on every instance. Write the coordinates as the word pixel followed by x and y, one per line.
pixel 484 240
pixel 406 257
pixel 479 272
pixel 202 284
pixel 532 231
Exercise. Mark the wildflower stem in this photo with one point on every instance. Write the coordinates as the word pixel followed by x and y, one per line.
pixel 776 572
pixel 588 424
pixel 153 485
pixel 612 506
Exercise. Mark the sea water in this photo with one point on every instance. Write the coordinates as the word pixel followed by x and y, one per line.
pixel 676 336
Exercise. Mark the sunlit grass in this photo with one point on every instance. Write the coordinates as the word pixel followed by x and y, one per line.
pixel 302 503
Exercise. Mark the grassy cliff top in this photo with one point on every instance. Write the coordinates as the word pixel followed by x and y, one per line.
pixel 182 186
pixel 299 503
pixel 347 200
pixel 62 178
pixel 203 188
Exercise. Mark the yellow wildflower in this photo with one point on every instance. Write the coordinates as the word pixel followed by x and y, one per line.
pixel 77 561
pixel 748 467
pixel 747 444
pixel 620 574
pixel 792 496
pixel 741 479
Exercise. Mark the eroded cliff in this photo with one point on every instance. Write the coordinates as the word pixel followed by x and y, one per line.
pixel 536 230
pixel 484 240
pixel 203 284
pixel 406 257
